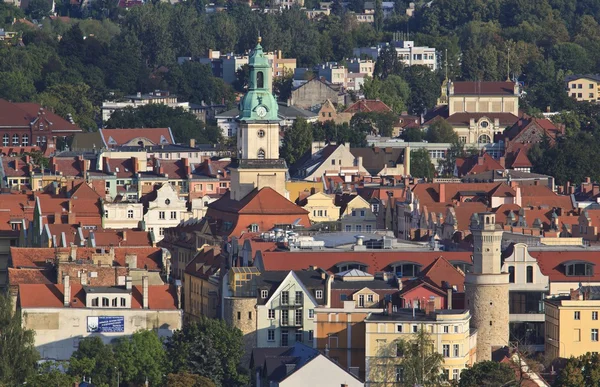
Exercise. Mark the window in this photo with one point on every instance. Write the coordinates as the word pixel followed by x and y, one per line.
pixel 399 374
pixel 5 140
pixel 455 374
pixel 484 139
pixel 264 294
pixel 260 133
pixel 362 213
pixel 456 350
pixel 580 86
pixel 311 335
pixel 579 269
pixel 123 302
pixel 446 329
pixel 446 350
pixel 529 274
pixel 591 95
pixel 284 338
pixel 299 298
pixel 173 214
pixel 261 154
pixel 25 140
pixel 485 124
pixel 285 297
pixel 353 212
pixel 161 231
pixel 358 227
pixel 249 315
pixel 579 95
pixel 260 80
pixel 104 301
pixel 399 328
pixel 594 315
pixel 415 328
pixel 368 228
pixel 456 329
pixel 298 316
pixel 94 301
pixel 271 335
pixel 130 214
pixel 573 85
pixel 511 274
pixel 361 300
pixel 319 294
pixel 348 228
pixel 594 334
pixel 15 139
pixel 161 215
pixel 590 86
pixel 271 314
pixel 299 335
pixel 370 298
pixel 577 315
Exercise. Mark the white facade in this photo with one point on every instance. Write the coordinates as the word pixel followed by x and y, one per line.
pixel 273 329
pixel 109 107
pixel 122 215
pixel 407 53
pixel 166 211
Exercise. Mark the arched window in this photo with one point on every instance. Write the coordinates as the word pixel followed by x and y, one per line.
pixel 105 301
pixel 15 140
pixel 511 274
pixel 261 154
pixel 5 140
pixel 484 139
pixel 260 80
pixel 25 140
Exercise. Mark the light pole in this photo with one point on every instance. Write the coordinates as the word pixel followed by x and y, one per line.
pixel 559 343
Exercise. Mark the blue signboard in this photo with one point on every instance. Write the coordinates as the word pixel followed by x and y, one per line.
pixel 106 324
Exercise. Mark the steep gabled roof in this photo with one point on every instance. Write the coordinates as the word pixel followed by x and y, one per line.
pixel 264 201
pixel 440 271
pixel 368 105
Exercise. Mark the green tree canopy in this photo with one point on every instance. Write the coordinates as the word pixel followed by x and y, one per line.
pixel 582 371
pixel 393 91
pixel 421 165
pixel 297 140
pixel 209 348
pixel 188 380
pixel 18 355
pixel 141 357
pixel 94 359
pixel 487 374
pixel 441 132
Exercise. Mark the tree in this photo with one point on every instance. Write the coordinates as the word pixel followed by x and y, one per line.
pixel 242 75
pixel 414 361
pixel 412 134
pixel 378 15
pixel 393 91
pixel 94 359
pixel 141 357
pixel 441 132
pixel 71 99
pixel 188 380
pixel 487 373
pixel 282 86
pixel 448 164
pixel 424 88
pixel 16 86
pixel 50 374
pixel 184 125
pixel 580 371
pixel 387 63
pixel 297 140
pixel 39 9
pixel 209 348
pixel 421 165
pixel 18 355
pixel 374 123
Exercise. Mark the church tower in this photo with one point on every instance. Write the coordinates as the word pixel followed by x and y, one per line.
pixel 258 164
pixel 486 287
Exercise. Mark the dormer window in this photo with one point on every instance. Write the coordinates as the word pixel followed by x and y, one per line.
pixel 579 268
pixel 407 269
pixel 264 294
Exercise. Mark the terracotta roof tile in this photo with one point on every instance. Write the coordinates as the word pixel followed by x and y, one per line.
pixel 465 118
pixel 484 88
pixel 130 136
pixel 31 276
pixel 368 105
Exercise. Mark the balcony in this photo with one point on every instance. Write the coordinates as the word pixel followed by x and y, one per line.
pixel 290 304
pixel 290 322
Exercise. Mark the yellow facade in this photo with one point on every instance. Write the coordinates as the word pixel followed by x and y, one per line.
pixel 584 89
pixel 321 208
pixel 572 327
pixel 201 297
pixel 449 332
pixel 298 187
pixel 358 216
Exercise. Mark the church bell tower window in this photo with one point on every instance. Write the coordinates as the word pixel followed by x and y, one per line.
pixel 260 80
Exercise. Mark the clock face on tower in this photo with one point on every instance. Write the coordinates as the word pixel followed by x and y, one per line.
pixel 261 111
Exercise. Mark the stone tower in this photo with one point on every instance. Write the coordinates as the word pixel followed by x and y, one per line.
pixel 487 287
pixel 258 164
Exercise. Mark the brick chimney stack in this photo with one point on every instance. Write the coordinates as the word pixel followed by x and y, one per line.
pixel 145 292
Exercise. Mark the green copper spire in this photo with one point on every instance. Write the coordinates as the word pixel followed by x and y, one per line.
pixel 259 104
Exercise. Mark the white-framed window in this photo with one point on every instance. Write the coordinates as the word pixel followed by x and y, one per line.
pixel 446 329
pixel 264 294
pixel 5 140
pixel 348 228
pixel 319 294
pixel 577 315
pixel 311 313
pixel 25 140
pixel 456 350
pixel 594 315
pixel 368 228
pixel 446 350
pixel 130 214
pixel 362 213
pixel 594 334
pixel 173 214
pixel 285 297
pixel 399 374
pixel 161 215
pixel 271 314
pixel 161 231
pixel 271 335
pixel 399 328
pixel 370 298
pixel 455 374
pixel 415 328
pixel 456 329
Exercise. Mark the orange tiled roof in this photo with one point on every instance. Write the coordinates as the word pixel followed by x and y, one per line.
pixel 368 105
pixel 123 136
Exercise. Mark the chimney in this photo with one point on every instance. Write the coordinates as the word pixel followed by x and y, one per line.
pixel 73 252
pixel 135 165
pixel 449 298
pixel 131 260
pixel 145 292
pixel 502 161
pixel 83 277
pixel 128 283
pixel 125 235
pixel 430 306
pixel 16 163
pixel 595 189
pixel 389 308
pixel 442 193
pixel 67 291
pixel 192 142
pixel 479 160
pixel 179 306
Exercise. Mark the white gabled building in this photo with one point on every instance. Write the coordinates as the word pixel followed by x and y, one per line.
pixel 163 209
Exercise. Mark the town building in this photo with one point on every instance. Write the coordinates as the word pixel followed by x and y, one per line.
pixel 407 52
pixel 313 93
pixel 201 284
pixel 139 99
pixel 328 112
pixel 163 209
pixel 136 137
pixel 321 207
pixel 583 87
pixel 323 160
pixel 62 315
pixel 448 329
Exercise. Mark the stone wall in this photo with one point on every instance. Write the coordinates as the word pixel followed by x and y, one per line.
pixel 240 312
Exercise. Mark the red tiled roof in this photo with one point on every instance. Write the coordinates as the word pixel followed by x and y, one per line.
pixel 69 166
pixel 147 257
pixel 538 195
pixel 15 167
pixel 31 111
pixel 30 276
pixel 130 136
pixel 551 264
pixel 368 105
pixel 472 164
pixel 440 271
pixel 428 193
pixel 484 88
pixel 375 261
pixel 521 160
pixel 160 297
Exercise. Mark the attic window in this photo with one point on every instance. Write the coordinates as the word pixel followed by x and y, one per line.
pixel 254 227
pixel 574 268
